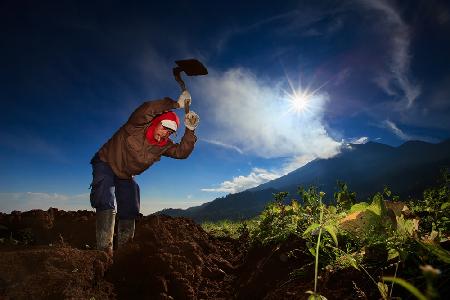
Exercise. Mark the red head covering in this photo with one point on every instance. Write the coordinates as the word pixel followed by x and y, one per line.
pixel 171 116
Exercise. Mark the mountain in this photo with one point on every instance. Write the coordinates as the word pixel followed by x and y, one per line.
pixel 367 168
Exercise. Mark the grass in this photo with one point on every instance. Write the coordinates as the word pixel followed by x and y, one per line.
pixel 227 228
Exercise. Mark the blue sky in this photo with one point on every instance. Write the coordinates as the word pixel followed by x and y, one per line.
pixel 288 81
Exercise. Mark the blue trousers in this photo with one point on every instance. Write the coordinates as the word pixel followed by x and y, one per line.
pixel 107 188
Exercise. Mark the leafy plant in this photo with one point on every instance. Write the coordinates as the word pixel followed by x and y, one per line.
pixel 434 209
pixel 344 197
pixel 278 221
pixel 320 226
pixel 227 228
pixel 367 236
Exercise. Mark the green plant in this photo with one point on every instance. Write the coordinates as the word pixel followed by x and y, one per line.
pixel 344 197
pixel 434 209
pixel 278 221
pixel 311 199
pixel 320 226
pixel 435 249
pixel 225 228
pixel 366 236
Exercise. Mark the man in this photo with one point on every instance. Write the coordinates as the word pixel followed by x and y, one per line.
pixel 138 144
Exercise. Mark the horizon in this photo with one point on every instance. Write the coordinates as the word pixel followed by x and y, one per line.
pixel 288 83
pixel 226 195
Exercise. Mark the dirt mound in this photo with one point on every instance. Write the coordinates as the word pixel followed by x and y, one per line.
pixel 38 227
pixel 174 257
pixel 57 272
pixel 170 258
pixel 267 267
pixel 43 255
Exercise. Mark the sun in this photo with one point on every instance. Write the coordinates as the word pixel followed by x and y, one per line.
pixel 299 101
pixel 303 100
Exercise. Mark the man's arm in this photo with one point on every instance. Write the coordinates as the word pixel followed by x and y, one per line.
pixel 184 148
pixel 148 110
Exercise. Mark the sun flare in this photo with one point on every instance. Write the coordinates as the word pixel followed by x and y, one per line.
pixel 303 100
pixel 299 101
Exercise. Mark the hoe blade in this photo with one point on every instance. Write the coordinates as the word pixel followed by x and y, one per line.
pixel 192 67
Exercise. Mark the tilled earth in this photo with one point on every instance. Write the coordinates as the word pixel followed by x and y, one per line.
pixel 50 255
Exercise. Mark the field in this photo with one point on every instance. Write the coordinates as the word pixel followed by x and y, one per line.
pixel 383 248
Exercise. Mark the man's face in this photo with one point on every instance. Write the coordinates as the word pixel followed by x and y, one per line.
pixel 161 132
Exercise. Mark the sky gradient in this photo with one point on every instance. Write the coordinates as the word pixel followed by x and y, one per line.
pixel 71 72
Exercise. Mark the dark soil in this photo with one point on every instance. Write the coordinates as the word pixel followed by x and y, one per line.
pixel 50 255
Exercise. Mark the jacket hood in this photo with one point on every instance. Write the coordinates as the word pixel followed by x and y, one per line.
pixel 171 118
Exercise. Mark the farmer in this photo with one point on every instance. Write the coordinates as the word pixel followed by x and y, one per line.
pixel 131 150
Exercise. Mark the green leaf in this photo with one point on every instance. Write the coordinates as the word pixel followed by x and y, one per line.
pixel 383 288
pixel 358 207
pixel 392 253
pixel 311 227
pixel 331 229
pixel 412 289
pixel 406 226
pixel 315 296
pixel 437 250
pixel 332 209
pixel 295 206
pixel 353 263
pixel 445 205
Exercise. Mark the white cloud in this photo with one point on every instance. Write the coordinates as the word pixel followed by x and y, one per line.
pixel 259 176
pixel 239 183
pixel 399 37
pixel 251 116
pixel 37 200
pixel 404 136
pixel 395 130
pixel 217 143
pixel 401 134
pixel 360 140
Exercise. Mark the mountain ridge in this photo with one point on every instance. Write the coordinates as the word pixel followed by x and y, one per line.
pixel 366 168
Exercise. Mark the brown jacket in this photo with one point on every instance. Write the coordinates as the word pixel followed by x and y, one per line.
pixel 128 151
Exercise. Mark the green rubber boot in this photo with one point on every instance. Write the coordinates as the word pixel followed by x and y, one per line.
pixel 125 232
pixel 105 220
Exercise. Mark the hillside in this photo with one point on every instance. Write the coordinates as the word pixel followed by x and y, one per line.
pixel 367 168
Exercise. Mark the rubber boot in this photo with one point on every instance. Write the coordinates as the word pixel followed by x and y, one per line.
pixel 105 220
pixel 125 232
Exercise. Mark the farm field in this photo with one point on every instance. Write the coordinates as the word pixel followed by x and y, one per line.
pixel 383 249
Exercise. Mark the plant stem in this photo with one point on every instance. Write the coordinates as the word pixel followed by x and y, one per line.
pixel 395 276
pixel 318 248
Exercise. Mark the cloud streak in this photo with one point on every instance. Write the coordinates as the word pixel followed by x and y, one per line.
pixel 399 38
pixel 218 143
pixel 391 126
pixel 395 130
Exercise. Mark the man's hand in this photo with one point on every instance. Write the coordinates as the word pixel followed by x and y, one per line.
pixel 183 98
pixel 191 120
